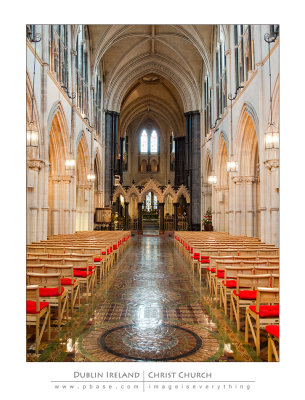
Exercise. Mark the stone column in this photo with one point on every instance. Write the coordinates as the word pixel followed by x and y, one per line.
pixel 250 206
pixel 273 169
pixel 161 210
pixel 140 227
pixel 111 132
pixel 237 209
pixel 176 216
pixel 193 166
pixel 126 223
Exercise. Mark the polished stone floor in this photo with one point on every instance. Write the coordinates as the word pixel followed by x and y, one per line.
pixel 150 307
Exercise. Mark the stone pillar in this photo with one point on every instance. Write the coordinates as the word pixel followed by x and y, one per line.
pixel 250 206
pixel 237 209
pixel 140 227
pixel 193 166
pixel 111 132
pixel 126 223
pixel 179 160
pixel 161 210
pixel 188 212
pixel 176 216
pixel 272 232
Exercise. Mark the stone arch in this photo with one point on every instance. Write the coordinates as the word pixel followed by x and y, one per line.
pixel 151 186
pixel 135 69
pixel 222 189
pixel 246 186
pixel 60 218
pixel 84 190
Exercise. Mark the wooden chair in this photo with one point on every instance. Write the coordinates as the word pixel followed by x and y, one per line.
pixel 51 290
pixel 245 293
pixel 229 283
pixel 82 272
pixel 265 312
pixel 36 312
pixel 273 336
pixel 68 281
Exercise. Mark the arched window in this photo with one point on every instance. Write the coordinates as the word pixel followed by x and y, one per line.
pixel 58 53
pixel 143 166
pixel 154 166
pixel 82 73
pixel 154 142
pixel 144 142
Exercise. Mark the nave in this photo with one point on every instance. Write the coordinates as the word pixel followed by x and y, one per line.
pixel 150 306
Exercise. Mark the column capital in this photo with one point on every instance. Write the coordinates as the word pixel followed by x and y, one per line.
pixel 250 179
pixel 272 163
pixel 35 164
pixel 237 179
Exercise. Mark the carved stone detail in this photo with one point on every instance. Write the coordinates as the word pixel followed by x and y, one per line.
pixel 272 164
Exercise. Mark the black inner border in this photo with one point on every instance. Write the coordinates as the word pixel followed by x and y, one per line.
pixel 102 342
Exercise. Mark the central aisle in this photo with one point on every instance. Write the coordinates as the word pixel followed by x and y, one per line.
pixel 149 308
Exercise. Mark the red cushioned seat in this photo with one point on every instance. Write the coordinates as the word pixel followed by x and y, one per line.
pixel 31 306
pixel 84 268
pixel 115 247
pixel 267 311
pixel 220 274
pixel 205 261
pixel 213 269
pixel 208 268
pixel 246 294
pixel 67 281
pixel 191 250
pixel 103 253
pixel 230 283
pixel 111 250
pixel 205 257
pixel 50 292
pixel 196 256
pixel 97 259
pixel 81 274
pixel 273 330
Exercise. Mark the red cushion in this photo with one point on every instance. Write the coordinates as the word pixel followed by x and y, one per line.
pixel 50 292
pixel 205 261
pixel 115 247
pixel 246 294
pixel 220 274
pixel 81 274
pixel 84 268
pixel 192 250
pixel 97 259
pixel 103 253
pixel 205 257
pixel 208 268
pixel 273 330
pixel 67 281
pixel 231 283
pixel 31 306
pixel 213 269
pixel 111 249
pixel 196 256
pixel 267 311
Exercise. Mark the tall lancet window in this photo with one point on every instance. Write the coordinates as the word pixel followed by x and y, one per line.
pixel 154 142
pixel 144 142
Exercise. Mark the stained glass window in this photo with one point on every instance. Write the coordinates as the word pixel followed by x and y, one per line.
pixel 154 142
pixel 155 205
pixel 144 146
pixel 148 201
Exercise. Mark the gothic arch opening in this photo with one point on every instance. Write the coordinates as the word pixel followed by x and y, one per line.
pixel 60 185
pixel 84 190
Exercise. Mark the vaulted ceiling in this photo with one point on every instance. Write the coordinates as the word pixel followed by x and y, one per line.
pixel 152 71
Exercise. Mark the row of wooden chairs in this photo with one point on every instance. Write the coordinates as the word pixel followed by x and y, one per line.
pixel 64 267
pixel 242 271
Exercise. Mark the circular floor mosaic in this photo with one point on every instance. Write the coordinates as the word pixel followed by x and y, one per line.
pixel 164 342
pixel 154 343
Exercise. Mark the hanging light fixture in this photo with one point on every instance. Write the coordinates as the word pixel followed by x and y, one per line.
pixel 232 166
pixel 91 177
pixel 70 164
pixel 32 134
pixel 212 179
pixel 272 134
